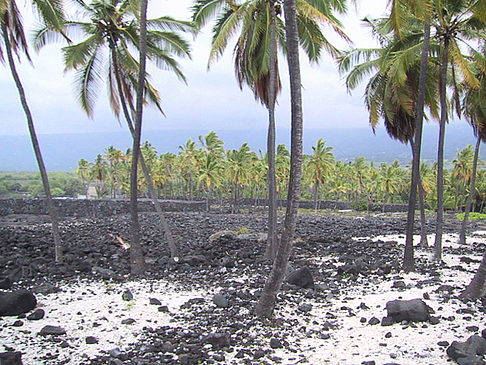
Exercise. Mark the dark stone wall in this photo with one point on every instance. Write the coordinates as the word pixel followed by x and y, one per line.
pixel 325 204
pixel 93 208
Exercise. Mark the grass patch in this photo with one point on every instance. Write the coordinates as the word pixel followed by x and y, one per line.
pixel 472 216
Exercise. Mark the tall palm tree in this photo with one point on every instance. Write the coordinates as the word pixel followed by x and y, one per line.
pixel 456 23
pixel 238 164
pixel 14 42
pixel 256 60
pixel 391 94
pixel 266 303
pixel 319 166
pixel 114 26
pixel 475 112
pixel 137 260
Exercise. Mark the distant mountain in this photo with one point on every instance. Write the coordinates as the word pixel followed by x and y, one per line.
pixel 63 151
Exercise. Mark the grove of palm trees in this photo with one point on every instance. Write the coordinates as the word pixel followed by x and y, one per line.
pixel 272 256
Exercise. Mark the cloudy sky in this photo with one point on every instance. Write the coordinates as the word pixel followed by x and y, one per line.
pixel 210 100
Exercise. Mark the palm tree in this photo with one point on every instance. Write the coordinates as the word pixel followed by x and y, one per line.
pixel 210 174
pixel 319 166
pixel 83 170
pixel 256 59
pixel 266 303
pixel 391 94
pixel 188 154
pixel 99 171
pixel 114 157
pixel 114 26
pixel 473 106
pixel 238 164
pixel 14 41
pixel 456 23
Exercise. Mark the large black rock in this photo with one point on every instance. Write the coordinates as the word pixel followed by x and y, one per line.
pixel 468 350
pixel 302 278
pixel 11 358
pixel 414 310
pixel 17 302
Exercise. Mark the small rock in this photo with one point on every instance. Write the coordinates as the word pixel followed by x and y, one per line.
pixel 155 301
pixel 217 340
pixel 302 278
pixel 128 321
pixel 399 284
pixel 388 335
pixel 163 308
pixel 434 320
pixel 18 323
pixel 221 301
pixel 258 354
pixel 91 340
pixel 52 331
pixel 127 295
pixel 306 307
pixel 443 343
pixel 387 321
pixel 275 343
pixel 5 283
pixel 373 321
pixel 36 315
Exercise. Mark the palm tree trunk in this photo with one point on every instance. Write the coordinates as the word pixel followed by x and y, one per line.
pixel 316 193
pixel 137 260
pixel 440 156
pixel 423 222
pixel 174 251
pixel 476 287
pixel 35 145
pixel 272 192
pixel 408 257
pixel 462 233
pixel 266 303
pixel 424 243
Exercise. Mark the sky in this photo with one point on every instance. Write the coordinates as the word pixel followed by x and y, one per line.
pixel 211 99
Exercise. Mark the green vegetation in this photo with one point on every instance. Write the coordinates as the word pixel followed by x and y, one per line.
pixel 29 185
pixel 206 168
pixel 472 216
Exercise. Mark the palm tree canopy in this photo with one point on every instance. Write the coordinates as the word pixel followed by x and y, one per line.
pixel 111 32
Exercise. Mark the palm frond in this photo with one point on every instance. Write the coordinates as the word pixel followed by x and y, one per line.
pixel 87 82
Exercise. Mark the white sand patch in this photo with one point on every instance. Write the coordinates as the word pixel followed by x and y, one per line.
pixel 97 309
pixel 92 309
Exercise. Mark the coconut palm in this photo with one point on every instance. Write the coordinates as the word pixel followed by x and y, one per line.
pixel 456 23
pixel 256 60
pixel 114 27
pixel 475 112
pixel 51 13
pixel 319 166
pixel 391 93
pixel 266 303
pixel 238 166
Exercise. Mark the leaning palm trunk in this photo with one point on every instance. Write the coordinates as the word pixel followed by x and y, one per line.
pixel 475 288
pixel 272 241
pixel 174 251
pixel 266 303
pixel 462 234
pixel 440 156
pixel 137 260
pixel 35 144
pixel 408 258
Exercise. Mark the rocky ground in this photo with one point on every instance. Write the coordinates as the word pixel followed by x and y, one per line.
pixel 200 311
